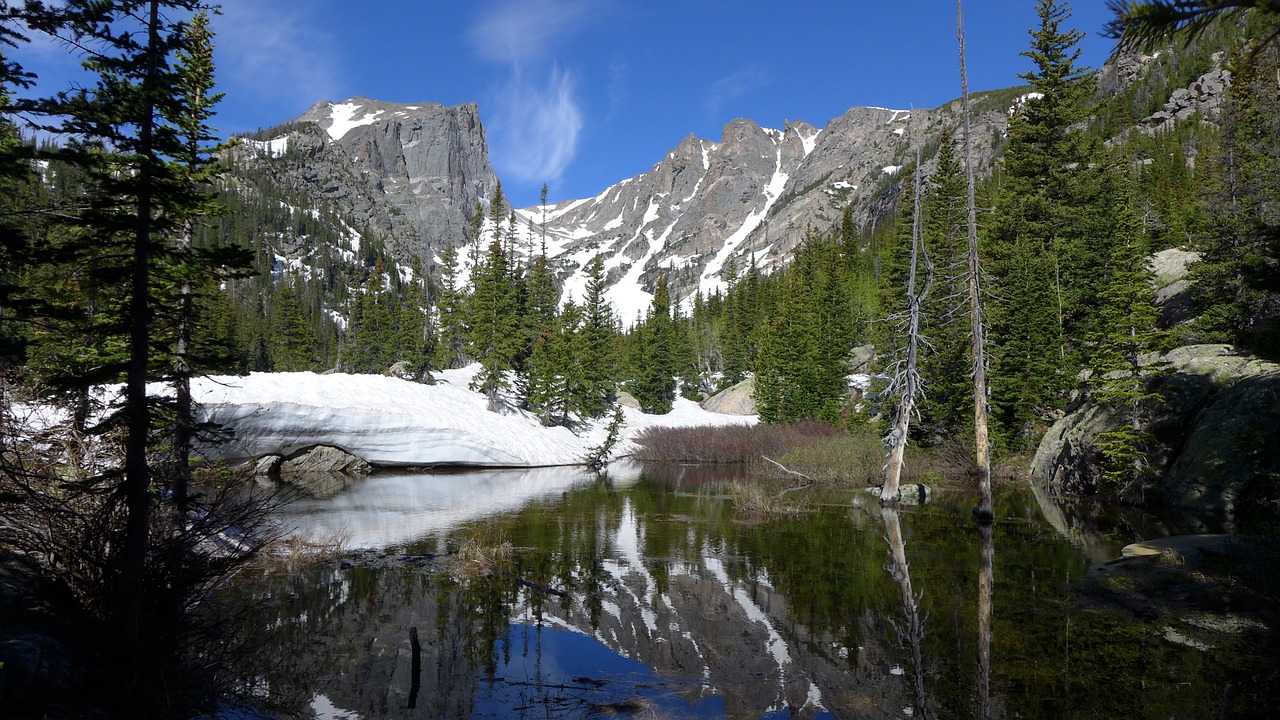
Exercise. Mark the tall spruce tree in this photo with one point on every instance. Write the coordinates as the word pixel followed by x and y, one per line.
pixel 654 382
pixel 137 138
pixel 451 350
pixel 195 269
pixel 948 405
pixel 1047 250
pixel 1124 332
pixel 494 340
pixel 594 354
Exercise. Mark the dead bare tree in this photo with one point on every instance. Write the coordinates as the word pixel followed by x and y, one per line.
pixel 907 379
pixel 982 451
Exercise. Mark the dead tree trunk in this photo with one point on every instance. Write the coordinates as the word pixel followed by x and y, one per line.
pixel 978 358
pixel 908 379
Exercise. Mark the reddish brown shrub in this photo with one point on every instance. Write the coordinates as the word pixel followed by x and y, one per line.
pixel 727 444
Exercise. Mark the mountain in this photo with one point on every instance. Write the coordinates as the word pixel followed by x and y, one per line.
pixel 709 207
pixel 410 174
pixel 410 178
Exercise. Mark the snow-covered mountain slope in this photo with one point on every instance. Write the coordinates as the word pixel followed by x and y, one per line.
pixel 708 209
pixel 413 174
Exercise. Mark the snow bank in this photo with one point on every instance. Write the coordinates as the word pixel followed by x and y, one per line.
pixel 392 422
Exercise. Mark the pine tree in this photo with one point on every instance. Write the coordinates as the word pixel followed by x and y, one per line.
pixel 948 405
pixel 654 383
pixel 194 166
pixel 450 307
pixel 594 353
pixel 1047 250
pixel 415 334
pixel 495 340
pixel 1125 331
pixel 131 137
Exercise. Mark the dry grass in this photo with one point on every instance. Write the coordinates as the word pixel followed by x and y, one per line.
pixel 727 444
pixel 764 500
pixel 824 454
pixel 843 460
pixel 485 551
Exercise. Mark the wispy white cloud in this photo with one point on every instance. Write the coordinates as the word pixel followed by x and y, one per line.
pixel 735 85
pixel 273 51
pixel 536 122
pixel 517 31
pixel 617 85
pixel 536 128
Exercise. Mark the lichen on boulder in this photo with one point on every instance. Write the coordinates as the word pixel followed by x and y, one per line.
pixel 1216 433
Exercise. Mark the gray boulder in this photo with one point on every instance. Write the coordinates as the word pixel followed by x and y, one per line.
pixel 323 471
pixel 1173 288
pixel 267 466
pixel 626 399
pixel 736 399
pixel 862 359
pixel 1215 433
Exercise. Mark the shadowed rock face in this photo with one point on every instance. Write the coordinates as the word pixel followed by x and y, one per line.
pixel 1214 431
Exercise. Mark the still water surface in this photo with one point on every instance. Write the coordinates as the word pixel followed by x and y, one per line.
pixel 646 595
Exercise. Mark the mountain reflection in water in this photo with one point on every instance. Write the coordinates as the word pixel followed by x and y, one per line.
pixel 668 604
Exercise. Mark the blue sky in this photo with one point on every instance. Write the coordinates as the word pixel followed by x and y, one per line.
pixel 583 93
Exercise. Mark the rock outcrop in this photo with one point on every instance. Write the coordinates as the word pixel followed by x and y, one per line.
pixel 1173 287
pixel 411 174
pixel 322 471
pixel 1204 96
pixel 324 459
pixel 737 399
pixel 1215 432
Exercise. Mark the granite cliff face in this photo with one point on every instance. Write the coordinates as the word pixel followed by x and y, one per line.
pixel 412 174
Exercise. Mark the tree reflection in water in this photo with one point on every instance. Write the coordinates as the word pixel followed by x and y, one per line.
pixel 986 578
pixel 914 632
pixel 737 616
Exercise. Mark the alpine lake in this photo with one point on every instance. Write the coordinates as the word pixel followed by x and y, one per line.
pixel 553 593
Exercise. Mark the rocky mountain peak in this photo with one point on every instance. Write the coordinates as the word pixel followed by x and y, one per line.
pixel 412 172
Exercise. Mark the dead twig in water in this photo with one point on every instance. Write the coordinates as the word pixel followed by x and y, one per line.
pixel 787 470
pixel 535 586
